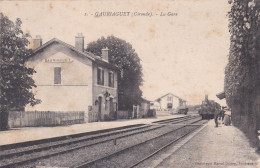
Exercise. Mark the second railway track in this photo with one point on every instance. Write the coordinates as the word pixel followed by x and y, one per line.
pixel 31 155
pixel 132 156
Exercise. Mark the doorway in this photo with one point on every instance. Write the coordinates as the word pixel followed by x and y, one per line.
pixel 111 108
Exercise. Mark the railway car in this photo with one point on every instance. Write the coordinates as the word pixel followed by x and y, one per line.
pixel 183 110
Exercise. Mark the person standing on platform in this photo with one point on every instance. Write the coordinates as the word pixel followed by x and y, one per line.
pixel 222 113
pixel 216 116
pixel 227 118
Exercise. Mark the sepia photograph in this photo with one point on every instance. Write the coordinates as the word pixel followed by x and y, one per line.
pixel 129 83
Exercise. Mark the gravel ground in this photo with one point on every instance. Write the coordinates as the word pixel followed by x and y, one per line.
pixel 53 150
pixel 222 147
pixel 62 141
pixel 131 156
pixel 96 151
pixel 35 154
pixel 89 153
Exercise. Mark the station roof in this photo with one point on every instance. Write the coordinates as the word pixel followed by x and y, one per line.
pixel 221 95
pixel 91 56
pixel 169 94
pixel 145 100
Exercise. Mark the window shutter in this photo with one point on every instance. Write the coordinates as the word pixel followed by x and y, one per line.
pixel 109 79
pixel 98 76
pixel 57 75
pixel 112 79
pixel 102 77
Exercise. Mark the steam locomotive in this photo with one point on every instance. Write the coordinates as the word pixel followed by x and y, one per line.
pixel 208 108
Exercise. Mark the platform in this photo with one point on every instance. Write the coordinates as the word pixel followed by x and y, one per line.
pixel 221 147
pixel 36 133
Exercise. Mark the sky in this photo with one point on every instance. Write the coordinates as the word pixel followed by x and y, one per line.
pixel 185 53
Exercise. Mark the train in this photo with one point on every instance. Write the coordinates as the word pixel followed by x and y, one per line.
pixel 209 108
pixel 183 109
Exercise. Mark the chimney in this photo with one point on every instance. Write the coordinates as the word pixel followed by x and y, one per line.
pixel 105 54
pixel 79 42
pixel 37 42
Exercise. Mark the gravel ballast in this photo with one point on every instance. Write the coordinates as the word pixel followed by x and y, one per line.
pixel 96 151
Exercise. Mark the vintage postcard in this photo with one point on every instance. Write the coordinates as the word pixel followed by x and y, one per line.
pixel 133 83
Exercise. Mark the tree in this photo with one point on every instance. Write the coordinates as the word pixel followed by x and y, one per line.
pixel 242 79
pixel 15 80
pixel 130 74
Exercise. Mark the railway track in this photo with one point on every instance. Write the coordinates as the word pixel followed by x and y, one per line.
pixel 160 154
pixel 16 155
pixel 134 155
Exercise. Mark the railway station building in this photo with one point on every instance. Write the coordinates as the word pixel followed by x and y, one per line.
pixel 169 101
pixel 68 79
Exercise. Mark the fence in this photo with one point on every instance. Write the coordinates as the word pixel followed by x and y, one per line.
pixel 92 116
pixel 44 118
pixel 143 111
pixel 124 114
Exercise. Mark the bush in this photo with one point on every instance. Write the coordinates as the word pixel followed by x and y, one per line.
pixel 242 80
pixel 107 118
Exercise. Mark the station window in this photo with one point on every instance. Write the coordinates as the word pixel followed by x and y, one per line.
pixel 57 75
pixel 111 79
pixel 169 105
pixel 100 76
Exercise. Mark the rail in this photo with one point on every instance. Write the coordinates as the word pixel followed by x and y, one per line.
pixel 65 142
pixel 88 164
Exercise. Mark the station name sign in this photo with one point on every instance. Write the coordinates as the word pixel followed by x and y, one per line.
pixel 58 60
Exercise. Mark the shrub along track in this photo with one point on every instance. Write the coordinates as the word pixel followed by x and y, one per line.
pixel 28 153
